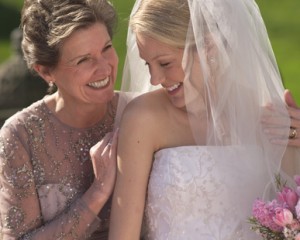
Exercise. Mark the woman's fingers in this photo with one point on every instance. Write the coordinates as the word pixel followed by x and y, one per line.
pixel 113 145
pixel 275 123
pixel 103 156
pixel 293 109
pixel 279 136
pixel 289 100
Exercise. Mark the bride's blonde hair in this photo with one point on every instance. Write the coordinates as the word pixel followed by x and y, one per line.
pixel 165 21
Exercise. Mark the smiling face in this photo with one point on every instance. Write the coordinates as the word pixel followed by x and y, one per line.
pixel 165 67
pixel 87 68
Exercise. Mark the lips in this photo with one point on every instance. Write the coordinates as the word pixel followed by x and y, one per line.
pixel 99 84
pixel 172 88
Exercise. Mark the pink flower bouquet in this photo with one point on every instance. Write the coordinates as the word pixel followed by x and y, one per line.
pixel 278 219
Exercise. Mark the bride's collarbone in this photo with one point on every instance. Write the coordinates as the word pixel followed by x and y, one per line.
pixel 177 135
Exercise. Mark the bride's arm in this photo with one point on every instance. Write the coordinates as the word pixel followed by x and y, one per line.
pixel 135 153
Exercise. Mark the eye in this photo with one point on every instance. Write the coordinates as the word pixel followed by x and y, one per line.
pixel 164 64
pixel 107 47
pixel 82 60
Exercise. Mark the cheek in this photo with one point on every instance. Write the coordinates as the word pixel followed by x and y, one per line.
pixel 177 74
pixel 80 75
pixel 65 76
pixel 116 60
pixel 115 63
pixel 113 58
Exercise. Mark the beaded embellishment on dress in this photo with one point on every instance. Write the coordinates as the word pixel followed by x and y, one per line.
pixel 43 158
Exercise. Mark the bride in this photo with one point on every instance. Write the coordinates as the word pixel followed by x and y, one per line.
pixel 192 153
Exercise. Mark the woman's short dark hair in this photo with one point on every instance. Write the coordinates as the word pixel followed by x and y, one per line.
pixel 47 23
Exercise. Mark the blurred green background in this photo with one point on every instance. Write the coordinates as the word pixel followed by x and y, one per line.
pixel 281 18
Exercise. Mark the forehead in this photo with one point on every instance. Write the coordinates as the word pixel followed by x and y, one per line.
pixel 150 48
pixel 87 39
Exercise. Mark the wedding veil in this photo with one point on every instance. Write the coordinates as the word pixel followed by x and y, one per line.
pixel 230 74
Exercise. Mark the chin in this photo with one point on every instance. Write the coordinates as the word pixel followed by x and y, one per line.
pixel 110 95
pixel 178 103
pixel 105 96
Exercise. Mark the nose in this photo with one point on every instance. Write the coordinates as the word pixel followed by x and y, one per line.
pixel 157 77
pixel 102 66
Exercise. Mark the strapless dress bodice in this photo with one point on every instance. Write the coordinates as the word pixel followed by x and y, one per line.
pixel 200 192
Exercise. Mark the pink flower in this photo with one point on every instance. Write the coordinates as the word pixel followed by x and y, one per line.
pixel 297 237
pixel 298 190
pixel 283 217
pixel 295 225
pixel 265 212
pixel 297 179
pixel 297 210
pixel 289 197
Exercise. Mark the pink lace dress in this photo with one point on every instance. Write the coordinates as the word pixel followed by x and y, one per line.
pixel 45 168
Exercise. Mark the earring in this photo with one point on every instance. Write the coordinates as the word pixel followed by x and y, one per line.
pixel 51 84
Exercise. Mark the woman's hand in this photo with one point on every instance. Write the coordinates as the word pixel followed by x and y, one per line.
pixel 294 113
pixel 272 123
pixel 104 160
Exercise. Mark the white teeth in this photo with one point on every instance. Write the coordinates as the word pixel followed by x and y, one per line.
pixel 99 84
pixel 170 89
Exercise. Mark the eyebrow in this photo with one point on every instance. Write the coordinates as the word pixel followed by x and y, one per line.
pixel 78 57
pixel 154 58
pixel 161 56
pixel 88 54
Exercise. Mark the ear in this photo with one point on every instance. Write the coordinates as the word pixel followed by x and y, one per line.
pixel 44 72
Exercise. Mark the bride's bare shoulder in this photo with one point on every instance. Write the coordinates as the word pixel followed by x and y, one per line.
pixel 146 107
pixel 148 102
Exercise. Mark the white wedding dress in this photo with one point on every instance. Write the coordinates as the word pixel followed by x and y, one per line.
pixel 200 192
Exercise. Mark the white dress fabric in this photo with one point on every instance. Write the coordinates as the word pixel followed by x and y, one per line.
pixel 206 192
pixel 200 192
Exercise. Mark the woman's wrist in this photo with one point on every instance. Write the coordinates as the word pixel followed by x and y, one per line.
pixel 95 198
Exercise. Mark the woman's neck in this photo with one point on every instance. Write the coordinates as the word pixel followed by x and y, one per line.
pixel 77 115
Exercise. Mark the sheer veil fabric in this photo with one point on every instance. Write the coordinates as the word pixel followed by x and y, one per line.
pixel 230 74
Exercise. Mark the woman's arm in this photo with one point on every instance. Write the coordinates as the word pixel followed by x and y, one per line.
pixel 135 152
pixel 20 209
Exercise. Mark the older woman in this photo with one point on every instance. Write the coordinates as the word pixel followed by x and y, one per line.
pixel 50 186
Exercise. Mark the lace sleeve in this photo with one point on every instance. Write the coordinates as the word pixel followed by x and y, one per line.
pixel 20 207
